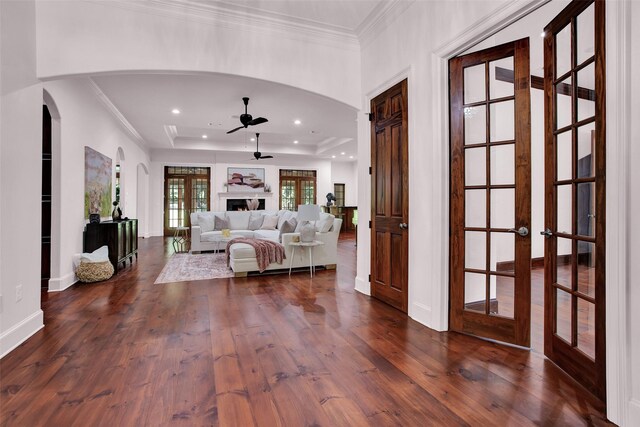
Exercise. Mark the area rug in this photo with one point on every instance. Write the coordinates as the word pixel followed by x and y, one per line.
pixel 188 267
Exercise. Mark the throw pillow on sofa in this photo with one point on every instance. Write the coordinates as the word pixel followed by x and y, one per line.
pixel 284 216
pixel 255 222
pixel 270 222
pixel 238 220
pixel 325 223
pixel 207 222
pixel 289 226
pixel 221 224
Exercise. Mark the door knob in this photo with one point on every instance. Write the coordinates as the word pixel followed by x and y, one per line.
pixel 546 233
pixel 404 226
pixel 523 231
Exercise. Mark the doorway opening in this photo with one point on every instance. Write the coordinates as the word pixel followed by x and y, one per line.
pixel 186 190
pixel 390 196
pixel 47 195
pixel 566 198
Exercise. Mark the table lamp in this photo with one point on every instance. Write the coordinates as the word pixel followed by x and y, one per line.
pixel 306 214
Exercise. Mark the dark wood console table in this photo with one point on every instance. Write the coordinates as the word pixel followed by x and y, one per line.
pixel 120 236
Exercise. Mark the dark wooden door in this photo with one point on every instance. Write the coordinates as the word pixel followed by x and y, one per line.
pixel 490 285
pixel 390 197
pixel 574 64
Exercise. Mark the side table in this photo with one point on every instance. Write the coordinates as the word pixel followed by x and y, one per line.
pixel 309 245
pixel 221 239
pixel 181 240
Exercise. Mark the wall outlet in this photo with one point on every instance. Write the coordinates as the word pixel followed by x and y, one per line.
pixel 18 293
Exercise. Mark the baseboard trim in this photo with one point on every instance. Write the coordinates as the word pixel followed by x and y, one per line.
pixel 62 283
pixel 421 313
pixel 363 286
pixel 20 332
pixel 633 412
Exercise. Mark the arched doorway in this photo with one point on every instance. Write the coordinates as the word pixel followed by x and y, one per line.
pixel 50 230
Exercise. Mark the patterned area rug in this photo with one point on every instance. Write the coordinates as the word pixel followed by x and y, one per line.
pixel 187 267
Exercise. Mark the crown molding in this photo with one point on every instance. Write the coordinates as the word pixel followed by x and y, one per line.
pixel 245 19
pixel 172 134
pixel 120 118
pixel 385 13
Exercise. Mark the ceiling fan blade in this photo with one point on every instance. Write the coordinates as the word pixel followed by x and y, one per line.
pixel 257 121
pixel 266 157
pixel 238 128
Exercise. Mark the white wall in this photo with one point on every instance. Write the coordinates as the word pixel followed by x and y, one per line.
pixel 116 36
pixel 84 121
pixel 219 164
pixel 20 175
pixel 344 173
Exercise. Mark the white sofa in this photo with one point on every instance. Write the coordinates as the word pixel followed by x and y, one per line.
pixel 243 256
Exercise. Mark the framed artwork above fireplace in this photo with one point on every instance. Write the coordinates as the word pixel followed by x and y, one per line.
pixel 245 179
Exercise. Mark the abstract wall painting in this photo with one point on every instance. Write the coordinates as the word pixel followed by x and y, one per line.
pixel 245 179
pixel 97 183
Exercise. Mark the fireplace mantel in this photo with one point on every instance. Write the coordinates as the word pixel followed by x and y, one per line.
pixel 243 195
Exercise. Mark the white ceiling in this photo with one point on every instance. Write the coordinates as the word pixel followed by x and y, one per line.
pixel 211 103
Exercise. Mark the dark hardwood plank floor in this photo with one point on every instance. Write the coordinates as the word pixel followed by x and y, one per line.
pixel 267 351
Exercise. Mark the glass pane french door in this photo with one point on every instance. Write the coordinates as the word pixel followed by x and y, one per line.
pixel 307 192
pixel 186 191
pixel 288 194
pixel 176 204
pixel 491 193
pixel 575 193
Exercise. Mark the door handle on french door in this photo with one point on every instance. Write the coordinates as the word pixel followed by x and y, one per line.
pixel 547 233
pixel 523 231
pixel 404 225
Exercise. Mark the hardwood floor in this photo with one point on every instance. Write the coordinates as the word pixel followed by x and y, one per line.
pixel 267 351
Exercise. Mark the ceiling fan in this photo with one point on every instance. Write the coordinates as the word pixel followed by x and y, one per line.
pixel 246 119
pixel 258 155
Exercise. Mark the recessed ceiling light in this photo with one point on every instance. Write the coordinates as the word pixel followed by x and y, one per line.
pixel 333 157
pixel 295 142
pixel 252 139
pixel 175 111
pixel 351 157
pixel 204 136
pixel 297 122
pixel 342 154
pixel 542 34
